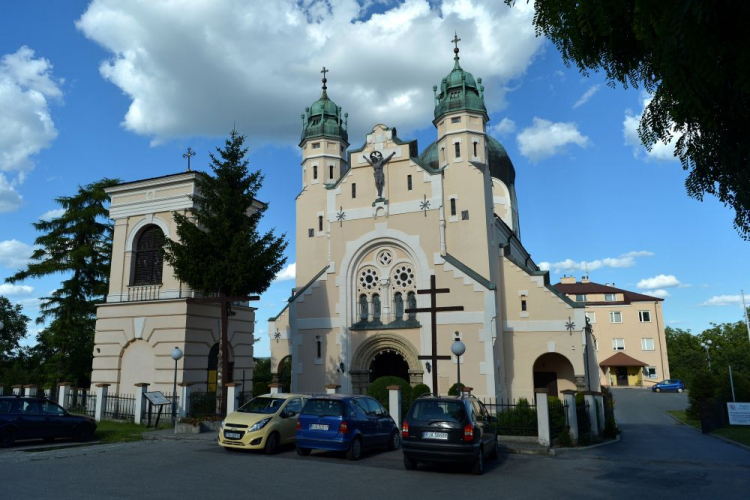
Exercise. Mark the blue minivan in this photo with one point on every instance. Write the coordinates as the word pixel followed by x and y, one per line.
pixel 345 423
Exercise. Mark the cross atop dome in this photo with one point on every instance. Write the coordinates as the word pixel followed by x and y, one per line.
pixel 325 80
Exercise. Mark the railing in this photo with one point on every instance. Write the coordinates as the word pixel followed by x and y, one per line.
pixel 80 403
pixel 558 417
pixel 119 407
pixel 514 418
pixel 143 292
pixel 202 404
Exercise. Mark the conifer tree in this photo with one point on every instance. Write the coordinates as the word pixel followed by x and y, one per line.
pixel 77 245
pixel 219 250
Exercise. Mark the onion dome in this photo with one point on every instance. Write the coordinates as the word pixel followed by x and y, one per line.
pixel 459 91
pixel 323 118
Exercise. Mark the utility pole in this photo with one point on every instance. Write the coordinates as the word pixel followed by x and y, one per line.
pixel 744 309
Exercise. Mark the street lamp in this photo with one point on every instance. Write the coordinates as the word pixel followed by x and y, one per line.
pixel 458 348
pixel 176 355
pixel 707 345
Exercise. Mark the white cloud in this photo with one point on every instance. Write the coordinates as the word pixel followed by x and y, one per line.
pixel 660 281
pixel 288 273
pixel 724 300
pixel 659 151
pixel 26 127
pixel 195 68
pixel 504 127
pixel 14 254
pixel 30 304
pixel 587 95
pixel 570 265
pixel 658 293
pixel 52 214
pixel 544 139
pixel 9 290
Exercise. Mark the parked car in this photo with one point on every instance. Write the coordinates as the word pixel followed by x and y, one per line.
pixel 672 384
pixel 263 423
pixel 38 418
pixel 345 423
pixel 449 429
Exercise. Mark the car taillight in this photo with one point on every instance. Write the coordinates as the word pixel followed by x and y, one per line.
pixel 405 429
pixel 344 427
pixel 469 432
pixel 298 425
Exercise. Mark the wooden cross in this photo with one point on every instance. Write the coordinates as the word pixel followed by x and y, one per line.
pixel 187 155
pixel 433 310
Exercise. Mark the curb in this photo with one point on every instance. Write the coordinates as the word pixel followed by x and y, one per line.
pixel 591 447
pixel 720 438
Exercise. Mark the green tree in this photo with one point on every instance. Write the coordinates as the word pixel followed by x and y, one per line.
pixel 12 329
pixel 686 356
pixel 693 58
pixel 77 245
pixel 219 250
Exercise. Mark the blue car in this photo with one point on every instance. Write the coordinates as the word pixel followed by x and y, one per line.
pixel 669 385
pixel 345 423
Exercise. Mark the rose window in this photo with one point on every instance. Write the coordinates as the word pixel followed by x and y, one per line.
pixel 403 276
pixel 385 258
pixel 368 279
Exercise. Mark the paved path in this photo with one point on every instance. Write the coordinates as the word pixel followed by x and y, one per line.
pixel 657 457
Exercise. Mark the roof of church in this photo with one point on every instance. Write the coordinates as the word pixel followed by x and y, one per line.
pixel 591 287
pixel 323 118
pixel 501 167
pixel 459 91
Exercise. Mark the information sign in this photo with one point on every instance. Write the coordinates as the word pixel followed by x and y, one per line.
pixel 156 398
pixel 739 413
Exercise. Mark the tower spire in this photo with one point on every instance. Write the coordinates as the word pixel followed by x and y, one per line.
pixel 455 50
pixel 324 94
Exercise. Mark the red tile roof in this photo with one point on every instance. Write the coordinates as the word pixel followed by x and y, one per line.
pixel 591 287
pixel 622 359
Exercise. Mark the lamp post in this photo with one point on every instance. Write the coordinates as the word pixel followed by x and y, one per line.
pixel 458 348
pixel 707 345
pixel 176 355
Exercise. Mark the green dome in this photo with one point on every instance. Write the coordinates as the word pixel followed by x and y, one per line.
pixel 459 91
pixel 323 119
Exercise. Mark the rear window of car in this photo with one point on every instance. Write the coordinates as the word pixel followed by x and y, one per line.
pixel 323 408
pixel 454 411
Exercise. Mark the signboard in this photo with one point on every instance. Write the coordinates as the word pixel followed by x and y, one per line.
pixel 156 398
pixel 739 413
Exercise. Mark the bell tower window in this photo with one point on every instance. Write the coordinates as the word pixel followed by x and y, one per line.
pixel 149 259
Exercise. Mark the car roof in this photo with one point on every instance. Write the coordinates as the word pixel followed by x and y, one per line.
pixel 284 395
pixel 339 397
pixel 430 397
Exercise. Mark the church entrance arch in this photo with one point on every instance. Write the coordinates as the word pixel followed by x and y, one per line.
pixel 554 372
pixel 385 354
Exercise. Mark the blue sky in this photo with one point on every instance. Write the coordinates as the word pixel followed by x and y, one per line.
pixel 121 89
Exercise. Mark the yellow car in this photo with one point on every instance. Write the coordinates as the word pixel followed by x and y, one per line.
pixel 263 423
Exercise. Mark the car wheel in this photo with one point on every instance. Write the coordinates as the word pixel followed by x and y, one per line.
pixel 303 452
pixel 7 437
pixel 479 463
pixel 680 389
pixel 355 450
pixel 272 444
pixel 658 390
pixel 395 442
pixel 409 464
pixel 82 433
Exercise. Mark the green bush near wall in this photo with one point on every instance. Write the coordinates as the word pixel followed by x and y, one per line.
pixel 419 390
pixel 379 390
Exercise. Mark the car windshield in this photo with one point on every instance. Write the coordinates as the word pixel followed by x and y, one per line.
pixel 262 405
pixel 323 408
pixel 445 411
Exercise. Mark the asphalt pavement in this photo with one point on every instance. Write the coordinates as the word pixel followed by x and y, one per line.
pixel 656 456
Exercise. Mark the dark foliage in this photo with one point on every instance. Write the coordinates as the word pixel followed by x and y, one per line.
pixel 379 390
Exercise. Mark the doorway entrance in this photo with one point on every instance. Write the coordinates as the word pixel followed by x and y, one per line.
pixel 389 364
pixel 621 372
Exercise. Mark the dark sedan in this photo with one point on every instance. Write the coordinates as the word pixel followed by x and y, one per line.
pixel 37 418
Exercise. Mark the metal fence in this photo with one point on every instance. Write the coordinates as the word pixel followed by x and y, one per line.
pixel 514 418
pixel 582 415
pixel 120 407
pixel 202 404
pixel 81 403
pixel 244 397
pixel 558 417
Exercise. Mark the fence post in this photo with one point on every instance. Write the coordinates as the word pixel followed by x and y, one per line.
pixel 232 396
pixel 394 404
pixel 184 410
pixel 276 388
pixel 29 390
pixel 569 399
pixel 101 401
pixel 140 390
pixel 63 394
pixel 542 416
pixel 2 390
pixel 600 411
pixel 17 389
pixel 588 397
pixel 332 388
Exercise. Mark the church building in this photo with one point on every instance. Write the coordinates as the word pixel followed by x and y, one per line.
pixel 376 223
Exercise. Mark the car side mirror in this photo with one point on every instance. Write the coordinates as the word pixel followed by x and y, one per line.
pixel 289 413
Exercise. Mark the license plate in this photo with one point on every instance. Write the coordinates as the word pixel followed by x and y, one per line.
pixel 233 435
pixel 435 435
pixel 318 427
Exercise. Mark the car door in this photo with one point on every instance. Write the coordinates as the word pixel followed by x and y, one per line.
pixel 56 421
pixel 367 422
pixel 30 420
pixel 376 411
pixel 290 415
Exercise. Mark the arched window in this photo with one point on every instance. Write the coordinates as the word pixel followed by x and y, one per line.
pixel 363 307
pixel 376 307
pixel 149 260
pixel 411 301
pixel 399 306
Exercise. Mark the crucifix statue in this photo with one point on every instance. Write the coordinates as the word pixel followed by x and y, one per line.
pixel 378 162
pixel 187 155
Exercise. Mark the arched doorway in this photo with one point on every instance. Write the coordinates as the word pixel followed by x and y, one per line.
pixel 213 367
pixel 389 364
pixel 284 373
pixel 554 372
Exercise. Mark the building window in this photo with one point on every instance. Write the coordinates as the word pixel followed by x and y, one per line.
pixel 408 182
pixel 354 190
pixel 580 297
pixel 476 144
pixel 647 344
pixel 615 317
pixel 453 206
pixel 315 171
pixel 320 222
pixel 644 316
pixel 523 304
pixel 363 307
pixel 411 303
pixel 311 232
pixel 457 145
pixel 376 307
pixel 330 171
pixel 149 257
pixel 649 372
pixel 591 317
pixel 456 119
pixel 618 344
pixel 610 297
pixel 318 346
pixel 315 145
pixel 398 300
pixel 464 215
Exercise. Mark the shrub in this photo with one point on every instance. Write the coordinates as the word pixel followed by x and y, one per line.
pixel 610 428
pixel 419 390
pixel 563 437
pixel 259 388
pixel 702 390
pixel 379 390
pixel 453 391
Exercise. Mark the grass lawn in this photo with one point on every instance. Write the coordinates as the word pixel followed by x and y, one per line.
pixel 739 433
pixel 108 431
